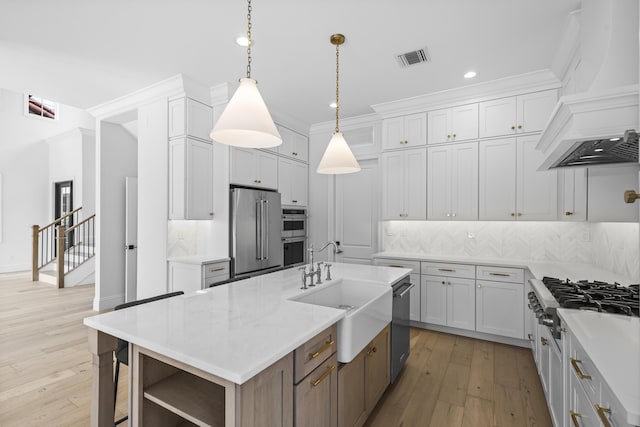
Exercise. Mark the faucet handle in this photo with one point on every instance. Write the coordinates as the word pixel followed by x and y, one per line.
pixel 319 264
pixel 328 268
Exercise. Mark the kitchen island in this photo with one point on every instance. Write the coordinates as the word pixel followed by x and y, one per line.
pixel 230 335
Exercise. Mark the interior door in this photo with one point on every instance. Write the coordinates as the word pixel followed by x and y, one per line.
pixel 131 238
pixel 63 204
pixel 356 210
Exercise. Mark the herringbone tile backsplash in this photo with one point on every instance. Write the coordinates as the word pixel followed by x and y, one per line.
pixel 612 246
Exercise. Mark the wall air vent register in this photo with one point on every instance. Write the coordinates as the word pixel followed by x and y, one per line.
pixel 414 57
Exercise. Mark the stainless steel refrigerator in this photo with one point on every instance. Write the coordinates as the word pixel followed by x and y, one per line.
pixel 256 228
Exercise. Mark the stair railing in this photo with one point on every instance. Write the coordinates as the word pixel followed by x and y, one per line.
pixel 75 246
pixel 44 243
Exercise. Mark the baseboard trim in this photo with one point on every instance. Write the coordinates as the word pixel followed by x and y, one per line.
pixel 472 334
pixel 100 304
pixel 15 268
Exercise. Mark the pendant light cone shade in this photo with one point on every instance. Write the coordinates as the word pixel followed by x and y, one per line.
pixel 338 158
pixel 246 122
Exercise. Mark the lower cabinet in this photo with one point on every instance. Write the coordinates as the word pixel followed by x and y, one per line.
pixel 448 301
pixel 362 381
pixel 500 301
pixel 316 396
pixel 190 277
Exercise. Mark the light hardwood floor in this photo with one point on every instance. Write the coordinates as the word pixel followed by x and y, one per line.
pixel 45 370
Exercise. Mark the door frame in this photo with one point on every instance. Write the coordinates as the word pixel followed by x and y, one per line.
pixel 57 211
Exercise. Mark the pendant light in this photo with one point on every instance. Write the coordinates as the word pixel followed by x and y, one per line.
pixel 246 122
pixel 338 158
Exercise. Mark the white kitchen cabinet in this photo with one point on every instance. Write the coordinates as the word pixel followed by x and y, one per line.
pixel 188 117
pixel 254 168
pixel 510 187
pixel 190 179
pixel 292 182
pixel 404 181
pixel 405 131
pixel 452 182
pixel 452 124
pixel 572 197
pixel 188 276
pixel 448 301
pixel 606 186
pixel 293 145
pixel 500 308
pixel 516 114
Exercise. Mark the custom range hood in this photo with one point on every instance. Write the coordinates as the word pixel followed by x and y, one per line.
pixel 599 123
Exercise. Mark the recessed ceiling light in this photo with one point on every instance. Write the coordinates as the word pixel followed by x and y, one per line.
pixel 242 41
pixel 333 105
pixel 597 150
pixel 614 139
pixel 469 74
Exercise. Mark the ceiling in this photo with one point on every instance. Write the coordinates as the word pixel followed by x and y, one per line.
pixel 86 52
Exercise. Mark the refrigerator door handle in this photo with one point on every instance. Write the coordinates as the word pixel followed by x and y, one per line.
pixel 258 229
pixel 266 230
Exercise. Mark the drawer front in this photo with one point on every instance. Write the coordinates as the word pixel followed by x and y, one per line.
pixel 311 354
pixel 210 281
pixel 216 269
pixel 610 408
pixel 585 371
pixel 399 263
pixel 316 397
pixel 500 274
pixel 464 271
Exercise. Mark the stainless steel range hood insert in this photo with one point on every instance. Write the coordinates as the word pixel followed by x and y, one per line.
pixel 602 151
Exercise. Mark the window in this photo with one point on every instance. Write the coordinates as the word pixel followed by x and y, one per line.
pixel 41 107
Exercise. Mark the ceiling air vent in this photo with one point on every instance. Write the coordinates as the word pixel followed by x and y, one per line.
pixel 414 57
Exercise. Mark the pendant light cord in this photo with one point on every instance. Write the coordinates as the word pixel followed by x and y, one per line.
pixel 249 39
pixel 337 84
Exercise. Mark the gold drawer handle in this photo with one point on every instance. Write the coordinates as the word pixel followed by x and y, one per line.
pixel 579 373
pixel 322 349
pixel 396 266
pixel 447 269
pixel 499 274
pixel 371 351
pixel 544 341
pixel 568 213
pixel 216 269
pixel 601 413
pixel 330 369
pixel 574 418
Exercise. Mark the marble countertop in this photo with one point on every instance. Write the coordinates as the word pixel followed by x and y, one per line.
pixel 237 330
pixel 539 269
pixel 198 259
pixel 613 345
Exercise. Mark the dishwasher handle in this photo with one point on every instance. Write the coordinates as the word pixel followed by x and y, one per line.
pixel 404 290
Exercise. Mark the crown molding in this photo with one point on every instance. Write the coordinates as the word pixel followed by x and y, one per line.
pixel 348 123
pixel 171 87
pixel 509 86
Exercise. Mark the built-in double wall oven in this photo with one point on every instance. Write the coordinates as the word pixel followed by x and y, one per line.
pixel 294 236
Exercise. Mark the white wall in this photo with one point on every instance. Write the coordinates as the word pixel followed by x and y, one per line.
pixel 116 158
pixel 24 166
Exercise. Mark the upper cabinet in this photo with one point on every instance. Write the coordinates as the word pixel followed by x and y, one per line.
pixel 293 145
pixel 452 192
pixel 404 180
pixel 510 185
pixel 190 179
pixel 404 132
pixel 292 182
pixel 453 124
pixel 606 187
pixel 254 168
pixel 516 114
pixel 188 117
pixel 572 196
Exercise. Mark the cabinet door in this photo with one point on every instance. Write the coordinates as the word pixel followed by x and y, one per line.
pixel 199 119
pixel 300 184
pixel 573 194
pixel 352 408
pixel 414 295
pixel 393 133
pixel 543 357
pixel 377 367
pixel 316 397
pixel 464 182
pixel 393 185
pixel 286 173
pixel 301 147
pixel 461 303
pixel 556 391
pixel 439 182
pixel 415 184
pixel 534 109
pixel 579 405
pixel 267 170
pixel 415 130
pixel 244 166
pixel 497 179
pixel 184 277
pixel 497 117
pixel 199 203
pixel 605 189
pixel 439 126
pixel 465 122
pixel 537 191
pixel 500 308
pixel 287 148
pixel 433 302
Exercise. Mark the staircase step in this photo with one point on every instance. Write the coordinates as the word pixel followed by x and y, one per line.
pixel 50 277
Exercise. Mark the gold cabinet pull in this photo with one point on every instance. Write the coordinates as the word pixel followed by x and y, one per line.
pixel 371 351
pixel 601 413
pixel 294 201
pixel 567 213
pixel 217 269
pixel 295 154
pixel 544 341
pixel 519 213
pixel 322 349
pixel 326 373
pixel 446 269
pixel 631 196
pixel 574 418
pixel 499 274
pixel 396 266
pixel 513 128
pixel 513 214
pixel 519 126
pixel 530 337
pixel 448 136
pixel 454 135
pixel 579 373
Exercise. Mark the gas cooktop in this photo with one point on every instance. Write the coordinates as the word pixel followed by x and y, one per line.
pixel 597 296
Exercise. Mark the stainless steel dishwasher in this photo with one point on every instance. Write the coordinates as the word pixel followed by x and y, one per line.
pixel 400 325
